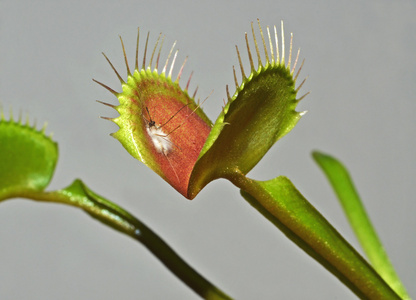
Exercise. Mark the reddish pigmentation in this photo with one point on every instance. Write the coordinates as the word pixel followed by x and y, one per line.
pixel 187 133
pixel 159 123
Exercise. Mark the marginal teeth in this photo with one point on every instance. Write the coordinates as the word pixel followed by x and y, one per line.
pixel 167 60
pixel 276 58
pixel 105 103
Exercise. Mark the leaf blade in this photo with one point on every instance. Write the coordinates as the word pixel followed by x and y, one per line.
pixel 343 186
pixel 27 158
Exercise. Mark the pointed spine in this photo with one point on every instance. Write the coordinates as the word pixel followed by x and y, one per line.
pixel 106 87
pixel 290 51
pixel 300 85
pixel 241 64
pixel 158 54
pixel 145 51
pixel 181 70
pixel 296 62
pixel 300 68
pixel 154 50
pixel 264 43
pixel 277 45
pixel 189 81
pixel 167 60
pixel 173 63
pixel 105 103
pixel 250 58
pixel 125 56
pixel 283 44
pixel 136 63
pixel 114 69
pixel 257 47
pixel 271 45
pixel 235 78
pixel 194 94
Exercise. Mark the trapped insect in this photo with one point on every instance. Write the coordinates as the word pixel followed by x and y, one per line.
pixel 160 139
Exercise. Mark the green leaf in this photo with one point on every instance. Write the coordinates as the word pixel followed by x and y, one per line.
pixel 281 203
pixel 344 188
pixel 27 158
pixel 261 111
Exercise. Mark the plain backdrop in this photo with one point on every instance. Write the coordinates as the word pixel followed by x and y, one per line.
pixel 361 69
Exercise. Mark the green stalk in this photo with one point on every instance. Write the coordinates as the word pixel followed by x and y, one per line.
pixel 280 202
pixel 116 217
pixel 344 188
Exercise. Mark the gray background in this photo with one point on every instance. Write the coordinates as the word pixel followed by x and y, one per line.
pixel 360 59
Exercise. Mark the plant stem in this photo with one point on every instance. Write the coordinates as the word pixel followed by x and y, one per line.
pixel 116 217
pixel 280 202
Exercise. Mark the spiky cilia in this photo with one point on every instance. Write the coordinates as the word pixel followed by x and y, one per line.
pixel 162 126
pixel 170 145
pixel 261 111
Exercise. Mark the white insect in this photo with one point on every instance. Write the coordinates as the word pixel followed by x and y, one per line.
pixel 159 138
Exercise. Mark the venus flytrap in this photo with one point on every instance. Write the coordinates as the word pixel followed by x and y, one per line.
pixel 155 111
pixel 261 111
pixel 162 126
